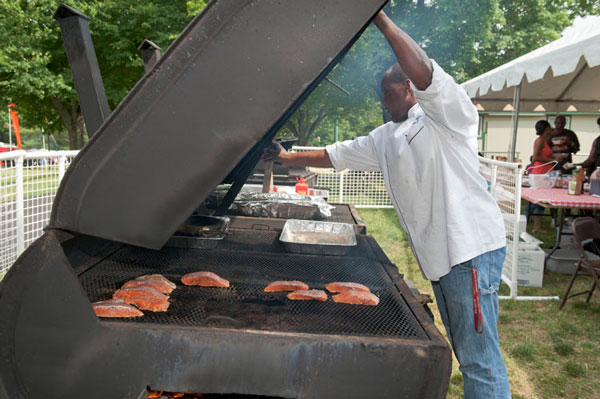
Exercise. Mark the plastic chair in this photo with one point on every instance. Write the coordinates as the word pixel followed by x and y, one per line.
pixel 585 229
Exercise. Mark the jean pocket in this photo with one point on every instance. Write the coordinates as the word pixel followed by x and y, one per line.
pixel 465 266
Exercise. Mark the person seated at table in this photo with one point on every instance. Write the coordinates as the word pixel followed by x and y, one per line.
pixel 593 160
pixel 544 161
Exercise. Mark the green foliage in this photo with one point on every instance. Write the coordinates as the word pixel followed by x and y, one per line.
pixel 563 348
pixel 466 38
pixel 446 30
pixel 34 72
pixel 524 350
pixel 521 26
pixel 195 6
pixel 574 369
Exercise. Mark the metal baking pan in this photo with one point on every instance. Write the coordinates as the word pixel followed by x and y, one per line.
pixel 200 232
pixel 318 238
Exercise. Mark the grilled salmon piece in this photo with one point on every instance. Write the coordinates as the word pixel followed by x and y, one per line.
pixel 155 281
pixel 157 277
pixel 341 287
pixel 356 298
pixel 204 279
pixel 308 295
pixel 115 308
pixel 144 297
pixel 277 286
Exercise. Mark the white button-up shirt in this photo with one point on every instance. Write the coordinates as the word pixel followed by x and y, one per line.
pixel 431 171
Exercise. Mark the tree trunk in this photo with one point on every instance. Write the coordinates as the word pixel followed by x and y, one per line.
pixel 73 120
pixel 302 127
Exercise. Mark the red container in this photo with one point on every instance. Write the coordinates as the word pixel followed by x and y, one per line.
pixel 302 187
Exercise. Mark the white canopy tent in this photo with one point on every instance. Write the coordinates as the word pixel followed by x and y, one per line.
pixel 561 76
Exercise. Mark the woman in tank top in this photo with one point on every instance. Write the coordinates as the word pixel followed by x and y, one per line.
pixel 543 162
pixel 542 152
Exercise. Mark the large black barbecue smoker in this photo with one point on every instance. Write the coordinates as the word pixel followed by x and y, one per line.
pixel 200 117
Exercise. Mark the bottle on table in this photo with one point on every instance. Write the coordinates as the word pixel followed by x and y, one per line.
pixel 595 181
pixel 572 184
pixel 576 182
pixel 580 179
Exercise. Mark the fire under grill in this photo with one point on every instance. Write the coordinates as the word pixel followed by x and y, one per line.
pixel 244 305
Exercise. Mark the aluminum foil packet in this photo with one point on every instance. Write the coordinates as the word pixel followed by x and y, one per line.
pixel 281 205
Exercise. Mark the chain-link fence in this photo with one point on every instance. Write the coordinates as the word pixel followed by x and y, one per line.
pixel 363 189
pixel 28 184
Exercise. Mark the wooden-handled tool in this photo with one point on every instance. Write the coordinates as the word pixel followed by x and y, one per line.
pixel 268 179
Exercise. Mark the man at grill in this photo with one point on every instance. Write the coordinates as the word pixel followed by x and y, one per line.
pixel 428 157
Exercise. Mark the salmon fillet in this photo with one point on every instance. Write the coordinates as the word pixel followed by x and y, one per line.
pixel 157 277
pixel 341 287
pixel 155 281
pixel 356 298
pixel 308 295
pixel 115 308
pixel 204 279
pixel 277 286
pixel 145 298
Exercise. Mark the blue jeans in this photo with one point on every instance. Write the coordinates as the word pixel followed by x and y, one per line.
pixel 481 363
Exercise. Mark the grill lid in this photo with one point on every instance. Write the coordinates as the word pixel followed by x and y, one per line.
pixel 203 114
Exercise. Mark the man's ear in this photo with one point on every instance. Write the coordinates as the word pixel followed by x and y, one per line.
pixel 407 86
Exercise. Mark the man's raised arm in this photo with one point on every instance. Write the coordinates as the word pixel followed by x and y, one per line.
pixel 413 60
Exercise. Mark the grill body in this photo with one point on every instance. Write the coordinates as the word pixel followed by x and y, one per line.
pixel 236 340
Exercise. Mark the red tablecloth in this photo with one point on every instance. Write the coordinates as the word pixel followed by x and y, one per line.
pixel 559 198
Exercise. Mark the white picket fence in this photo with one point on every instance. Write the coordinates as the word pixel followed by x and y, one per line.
pixel 28 184
pixel 363 189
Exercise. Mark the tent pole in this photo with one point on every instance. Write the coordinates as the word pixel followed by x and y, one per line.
pixel 515 120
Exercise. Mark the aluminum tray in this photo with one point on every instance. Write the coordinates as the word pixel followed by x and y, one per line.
pixel 319 238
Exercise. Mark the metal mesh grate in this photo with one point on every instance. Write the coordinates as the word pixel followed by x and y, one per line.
pixel 244 305
pixel 341 214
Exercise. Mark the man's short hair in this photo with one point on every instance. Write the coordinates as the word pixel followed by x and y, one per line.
pixel 394 74
pixel 598 120
pixel 560 117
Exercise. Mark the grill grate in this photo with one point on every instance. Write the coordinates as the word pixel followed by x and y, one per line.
pixel 341 214
pixel 244 305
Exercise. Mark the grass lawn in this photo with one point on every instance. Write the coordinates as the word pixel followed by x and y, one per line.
pixel 549 353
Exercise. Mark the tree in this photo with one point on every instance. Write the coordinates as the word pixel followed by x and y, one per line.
pixel 466 37
pixel 446 29
pixel 35 74
pixel 522 26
